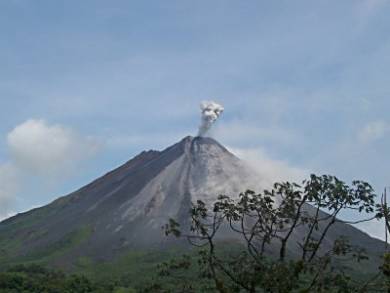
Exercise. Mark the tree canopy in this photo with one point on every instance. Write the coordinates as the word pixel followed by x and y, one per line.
pixel 268 224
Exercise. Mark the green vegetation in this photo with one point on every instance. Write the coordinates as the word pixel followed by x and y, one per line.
pixel 61 247
pixel 34 278
pixel 133 269
pixel 133 272
pixel 261 260
pixel 43 256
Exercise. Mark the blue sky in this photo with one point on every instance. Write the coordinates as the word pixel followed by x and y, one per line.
pixel 305 84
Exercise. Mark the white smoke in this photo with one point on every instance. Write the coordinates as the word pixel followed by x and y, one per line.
pixel 210 113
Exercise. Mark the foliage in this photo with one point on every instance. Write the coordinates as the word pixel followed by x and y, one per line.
pixel 268 224
pixel 35 278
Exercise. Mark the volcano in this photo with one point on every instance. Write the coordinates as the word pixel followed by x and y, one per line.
pixel 126 208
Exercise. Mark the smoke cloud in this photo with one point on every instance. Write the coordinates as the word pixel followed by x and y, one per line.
pixel 210 113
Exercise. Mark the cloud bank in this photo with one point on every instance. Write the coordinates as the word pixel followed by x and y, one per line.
pixel 39 147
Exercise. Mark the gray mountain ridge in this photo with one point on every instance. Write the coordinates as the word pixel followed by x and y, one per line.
pixel 126 208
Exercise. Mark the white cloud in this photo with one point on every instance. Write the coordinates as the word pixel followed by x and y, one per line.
pixel 373 131
pixel 268 169
pixel 8 188
pixel 39 147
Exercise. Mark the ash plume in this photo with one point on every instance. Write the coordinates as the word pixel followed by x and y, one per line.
pixel 210 113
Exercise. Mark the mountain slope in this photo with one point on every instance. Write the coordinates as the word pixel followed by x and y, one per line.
pixel 125 209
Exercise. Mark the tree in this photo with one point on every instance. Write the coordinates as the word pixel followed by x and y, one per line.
pixel 267 223
pixel 384 212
